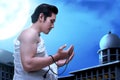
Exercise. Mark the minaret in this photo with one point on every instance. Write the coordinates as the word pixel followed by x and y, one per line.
pixel 109 48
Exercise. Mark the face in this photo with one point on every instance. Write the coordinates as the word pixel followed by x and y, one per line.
pixel 48 24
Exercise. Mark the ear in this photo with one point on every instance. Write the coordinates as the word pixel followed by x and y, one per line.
pixel 41 17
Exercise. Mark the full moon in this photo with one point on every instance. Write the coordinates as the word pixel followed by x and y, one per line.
pixel 13 17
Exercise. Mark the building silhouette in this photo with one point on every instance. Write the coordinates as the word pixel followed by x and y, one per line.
pixel 109 60
pixel 6 65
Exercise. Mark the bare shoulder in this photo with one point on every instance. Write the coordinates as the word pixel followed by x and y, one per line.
pixel 28 35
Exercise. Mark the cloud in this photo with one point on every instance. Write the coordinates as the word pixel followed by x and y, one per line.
pixel 86 22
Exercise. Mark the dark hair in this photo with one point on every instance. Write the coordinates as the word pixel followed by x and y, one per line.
pixel 46 9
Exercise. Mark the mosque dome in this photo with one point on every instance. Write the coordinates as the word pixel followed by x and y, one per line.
pixel 109 40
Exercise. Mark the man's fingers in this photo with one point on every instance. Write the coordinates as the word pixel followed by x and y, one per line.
pixel 70 50
pixel 62 47
pixel 70 57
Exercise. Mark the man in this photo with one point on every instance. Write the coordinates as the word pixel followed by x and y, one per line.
pixel 30 58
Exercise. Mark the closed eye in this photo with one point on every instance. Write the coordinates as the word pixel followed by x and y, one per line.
pixel 52 21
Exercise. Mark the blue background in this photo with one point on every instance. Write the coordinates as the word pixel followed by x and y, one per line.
pixel 81 23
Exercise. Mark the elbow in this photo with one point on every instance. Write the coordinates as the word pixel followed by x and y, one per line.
pixel 28 67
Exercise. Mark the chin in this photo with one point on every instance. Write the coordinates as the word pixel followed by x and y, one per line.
pixel 46 32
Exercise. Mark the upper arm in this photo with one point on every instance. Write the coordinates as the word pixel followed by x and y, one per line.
pixel 28 47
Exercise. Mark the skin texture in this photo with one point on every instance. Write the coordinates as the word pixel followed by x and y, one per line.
pixel 29 39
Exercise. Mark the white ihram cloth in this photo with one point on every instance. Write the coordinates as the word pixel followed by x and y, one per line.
pixel 21 74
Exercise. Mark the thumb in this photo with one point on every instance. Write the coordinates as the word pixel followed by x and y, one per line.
pixel 62 47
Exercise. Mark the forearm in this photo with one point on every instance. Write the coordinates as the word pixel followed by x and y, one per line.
pixel 37 63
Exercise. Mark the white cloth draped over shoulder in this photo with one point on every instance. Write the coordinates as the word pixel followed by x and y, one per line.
pixel 21 74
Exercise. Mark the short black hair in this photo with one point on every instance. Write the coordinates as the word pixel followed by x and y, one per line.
pixel 44 8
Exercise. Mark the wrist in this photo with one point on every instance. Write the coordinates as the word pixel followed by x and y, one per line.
pixel 54 61
pixel 56 57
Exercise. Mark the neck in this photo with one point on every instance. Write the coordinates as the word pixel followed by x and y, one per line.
pixel 36 27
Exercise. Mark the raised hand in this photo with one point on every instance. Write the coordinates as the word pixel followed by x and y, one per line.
pixel 65 55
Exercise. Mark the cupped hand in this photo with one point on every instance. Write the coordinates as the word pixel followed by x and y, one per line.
pixel 65 56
